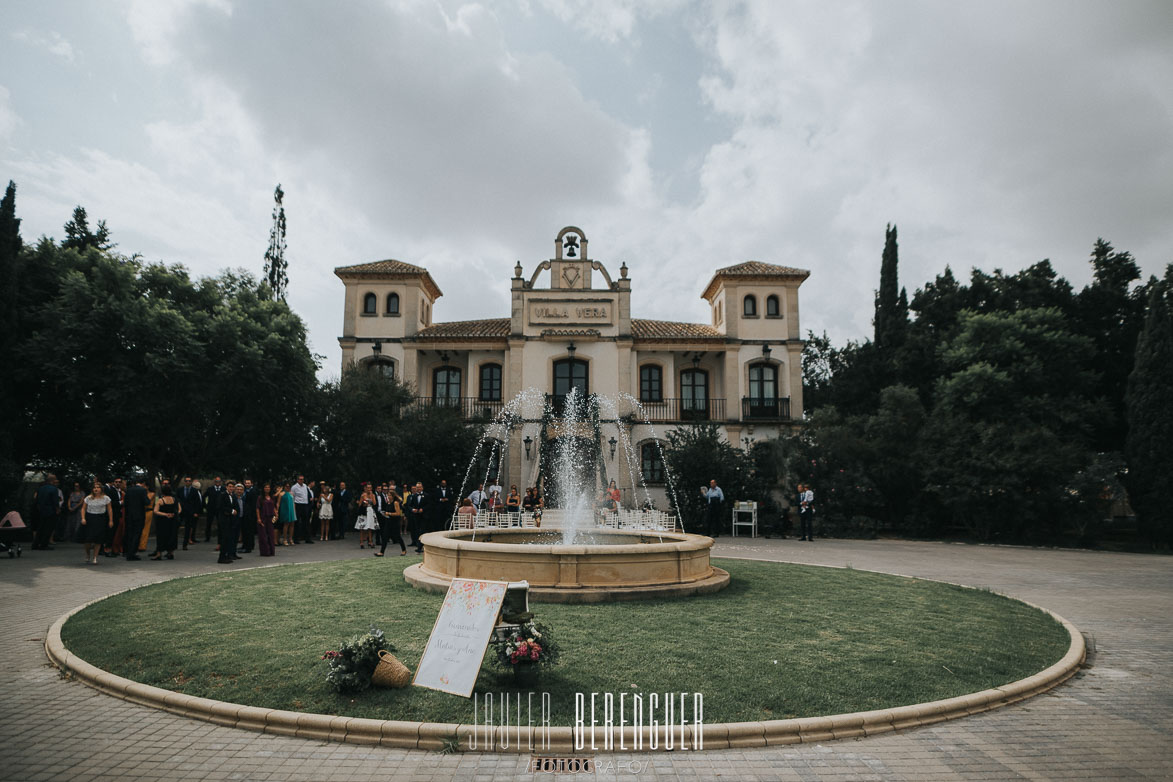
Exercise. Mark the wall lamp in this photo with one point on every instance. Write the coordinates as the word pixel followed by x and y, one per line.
pixel 612 442
pixel 766 352
pixel 528 442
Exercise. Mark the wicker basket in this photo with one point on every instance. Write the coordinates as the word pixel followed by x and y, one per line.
pixel 390 672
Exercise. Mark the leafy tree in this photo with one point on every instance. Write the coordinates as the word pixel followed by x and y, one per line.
pixel 122 364
pixel 275 264
pixel 1149 447
pixel 1010 426
pixel 371 431
pixel 1111 313
pixel 361 415
pixel 697 454
pixel 78 235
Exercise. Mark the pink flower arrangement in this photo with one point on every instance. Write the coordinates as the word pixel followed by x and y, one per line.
pixel 527 651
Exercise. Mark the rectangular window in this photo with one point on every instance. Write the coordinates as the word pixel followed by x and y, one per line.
pixel 651 385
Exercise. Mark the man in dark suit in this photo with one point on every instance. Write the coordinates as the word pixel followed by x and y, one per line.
pixel 136 503
pixel 416 507
pixel 231 508
pixel 342 502
pixel 442 507
pixel 248 522
pixel 48 505
pixel 211 503
pixel 191 505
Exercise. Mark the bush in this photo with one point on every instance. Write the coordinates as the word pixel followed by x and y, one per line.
pixel 354 662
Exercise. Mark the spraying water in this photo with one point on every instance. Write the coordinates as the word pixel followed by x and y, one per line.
pixel 568 467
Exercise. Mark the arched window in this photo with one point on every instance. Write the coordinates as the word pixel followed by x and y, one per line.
pixel 651 383
pixel 370 304
pixel 491 383
pixel 570 373
pixel 651 462
pixel 749 307
pixel 446 385
pixel 381 366
pixel 392 303
pixel 694 392
pixel 772 308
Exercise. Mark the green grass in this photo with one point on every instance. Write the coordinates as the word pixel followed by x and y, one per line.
pixel 781 641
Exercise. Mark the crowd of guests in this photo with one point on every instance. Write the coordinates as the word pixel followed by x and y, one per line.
pixel 116 517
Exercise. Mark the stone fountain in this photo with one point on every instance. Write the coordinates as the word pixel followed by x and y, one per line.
pixel 577 562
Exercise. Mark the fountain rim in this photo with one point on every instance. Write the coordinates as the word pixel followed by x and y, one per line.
pixel 671 541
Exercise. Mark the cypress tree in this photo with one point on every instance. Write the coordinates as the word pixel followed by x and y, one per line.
pixel 275 264
pixel 1149 407
pixel 10 249
pixel 891 303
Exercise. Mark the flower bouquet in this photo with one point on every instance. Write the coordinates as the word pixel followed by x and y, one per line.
pixel 526 649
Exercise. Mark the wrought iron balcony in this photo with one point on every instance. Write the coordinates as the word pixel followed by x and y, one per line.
pixel 764 409
pixel 469 407
pixel 682 409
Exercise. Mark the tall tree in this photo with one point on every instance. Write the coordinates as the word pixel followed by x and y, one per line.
pixel 275 264
pixel 78 235
pixel 10 252
pixel 1111 313
pixel 1149 447
pixel 891 302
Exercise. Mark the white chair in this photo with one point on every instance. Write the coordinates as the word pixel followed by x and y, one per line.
pixel 740 511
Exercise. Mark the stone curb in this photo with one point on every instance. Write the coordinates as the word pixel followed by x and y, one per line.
pixel 435 736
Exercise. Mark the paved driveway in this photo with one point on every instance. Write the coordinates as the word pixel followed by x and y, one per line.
pixel 1112 721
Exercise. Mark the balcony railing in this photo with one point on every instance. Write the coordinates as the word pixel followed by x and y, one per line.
pixel 754 409
pixel 469 407
pixel 662 411
pixel 680 409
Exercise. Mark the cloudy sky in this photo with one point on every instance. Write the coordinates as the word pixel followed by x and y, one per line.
pixel 680 136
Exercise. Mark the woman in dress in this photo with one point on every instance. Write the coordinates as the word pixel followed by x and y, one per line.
pixel 148 522
pixel 97 521
pixel 466 515
pixel 513 501
pixel 394 510
pixel 366 522
pixel 266 510
pixel 286 514
pixel 74 509
pixel 613 492
pixel 166 523
pixel 325 511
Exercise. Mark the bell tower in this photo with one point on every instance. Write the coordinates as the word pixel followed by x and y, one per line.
pixel 570 268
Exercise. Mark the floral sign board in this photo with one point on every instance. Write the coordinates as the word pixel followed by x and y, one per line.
pixel 452 659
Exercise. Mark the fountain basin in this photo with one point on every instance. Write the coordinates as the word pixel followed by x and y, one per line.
pixel 615 565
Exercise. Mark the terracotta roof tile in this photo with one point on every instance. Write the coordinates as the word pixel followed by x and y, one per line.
pixel 492 327
pixel 759 269
pixel 390 269
pixel 668 329
pixel 754 270
pixel 388 266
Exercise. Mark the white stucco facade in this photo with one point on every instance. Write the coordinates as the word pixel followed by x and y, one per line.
pixel 571 324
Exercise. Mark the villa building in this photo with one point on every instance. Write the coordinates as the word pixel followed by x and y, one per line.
pixel 742 370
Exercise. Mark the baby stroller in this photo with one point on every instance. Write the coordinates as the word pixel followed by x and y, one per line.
pixel 11 526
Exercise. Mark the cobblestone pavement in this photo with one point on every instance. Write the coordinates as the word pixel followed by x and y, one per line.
pixel 1114 720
